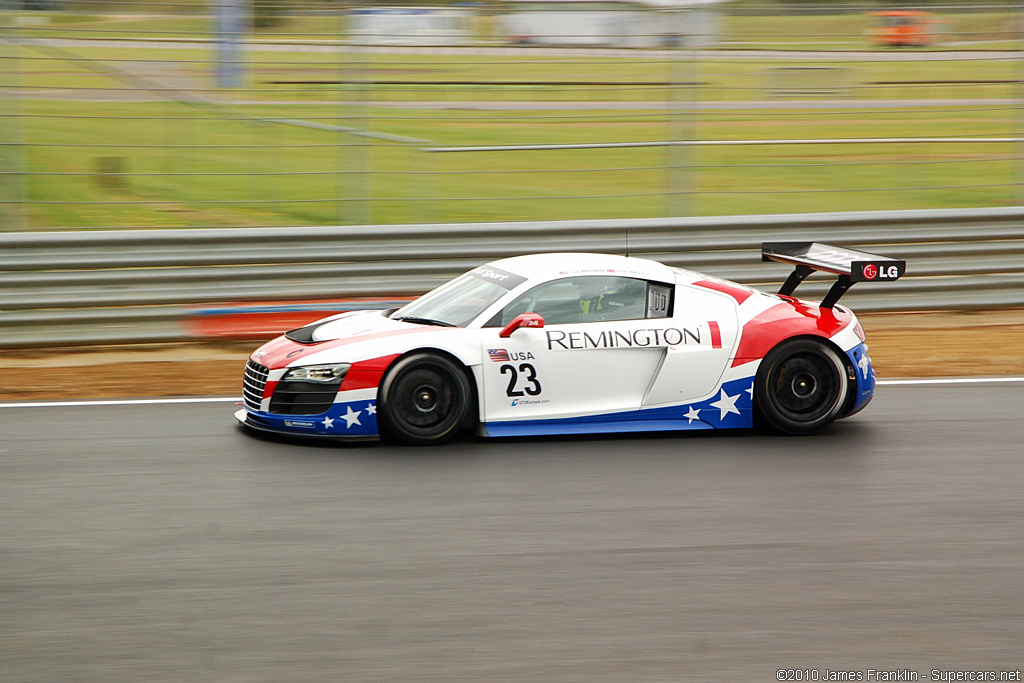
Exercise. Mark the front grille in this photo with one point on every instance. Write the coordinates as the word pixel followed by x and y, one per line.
pixel 303 398
pixel 253 384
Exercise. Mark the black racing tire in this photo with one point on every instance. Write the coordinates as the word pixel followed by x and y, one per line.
pixel 801 387
pixel 423 400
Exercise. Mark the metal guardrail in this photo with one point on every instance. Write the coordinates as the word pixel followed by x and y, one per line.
pixel 68 288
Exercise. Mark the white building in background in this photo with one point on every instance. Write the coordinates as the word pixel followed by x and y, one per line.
pixel 410 26
pixel 612 23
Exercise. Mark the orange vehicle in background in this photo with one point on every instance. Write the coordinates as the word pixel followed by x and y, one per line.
pixel 905 28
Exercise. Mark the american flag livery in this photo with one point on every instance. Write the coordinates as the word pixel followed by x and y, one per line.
pixel 673 350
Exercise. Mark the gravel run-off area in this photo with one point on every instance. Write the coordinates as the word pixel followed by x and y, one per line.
pixel 955 344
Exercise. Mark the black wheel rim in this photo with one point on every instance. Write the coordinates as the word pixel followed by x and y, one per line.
pixel 424 399
pixel 805 386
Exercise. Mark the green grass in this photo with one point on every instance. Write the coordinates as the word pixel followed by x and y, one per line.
pixel 196 156
pixel 200 170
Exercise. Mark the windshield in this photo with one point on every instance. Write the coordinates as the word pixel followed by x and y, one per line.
pixel 459 302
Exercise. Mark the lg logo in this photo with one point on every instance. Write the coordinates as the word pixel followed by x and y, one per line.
pixel 873 272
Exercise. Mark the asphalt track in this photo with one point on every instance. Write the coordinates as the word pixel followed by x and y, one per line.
pixel 159 542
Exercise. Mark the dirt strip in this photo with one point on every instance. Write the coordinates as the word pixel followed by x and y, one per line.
pixel 902 345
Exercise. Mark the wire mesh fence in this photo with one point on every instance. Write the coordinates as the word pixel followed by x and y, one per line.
pixel 254 113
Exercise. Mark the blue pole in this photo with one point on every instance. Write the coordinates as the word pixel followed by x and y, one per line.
pixel 230 26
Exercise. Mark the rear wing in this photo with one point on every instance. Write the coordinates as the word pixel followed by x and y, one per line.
pixel 850 265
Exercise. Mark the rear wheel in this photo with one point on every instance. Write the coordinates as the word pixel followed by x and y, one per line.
pixel 423 400
pixel 800 387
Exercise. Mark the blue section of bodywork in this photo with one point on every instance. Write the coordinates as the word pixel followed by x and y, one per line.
pixel 731 408
pixel 865 386
pixel 348 420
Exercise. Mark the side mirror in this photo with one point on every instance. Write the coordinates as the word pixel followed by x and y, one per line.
pixel 521 320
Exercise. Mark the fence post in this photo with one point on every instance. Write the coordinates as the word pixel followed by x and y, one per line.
pixel 13 190
pixel 681 101
pixel 230 24
pixel 1018 25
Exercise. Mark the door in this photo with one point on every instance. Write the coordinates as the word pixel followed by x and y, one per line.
pixel 693 370
pixel 601 345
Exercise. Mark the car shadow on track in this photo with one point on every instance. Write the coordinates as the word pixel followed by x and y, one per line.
pixel 753 441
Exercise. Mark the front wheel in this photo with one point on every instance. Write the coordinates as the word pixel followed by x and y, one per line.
pixel 423 400
pixel 800 387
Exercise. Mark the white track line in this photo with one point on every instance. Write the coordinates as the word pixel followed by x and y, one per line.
pixel 122 402
pixel 237 399
pixel 949 380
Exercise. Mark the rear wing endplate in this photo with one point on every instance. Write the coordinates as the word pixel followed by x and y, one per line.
pixel 850 265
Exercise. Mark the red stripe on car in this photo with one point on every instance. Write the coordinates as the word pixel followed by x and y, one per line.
pixel 366 374
pixel 716 334
pixel 783 321
pixel 281 352
pixel 737 293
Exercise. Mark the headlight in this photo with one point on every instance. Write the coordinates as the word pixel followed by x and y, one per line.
pixel 325 374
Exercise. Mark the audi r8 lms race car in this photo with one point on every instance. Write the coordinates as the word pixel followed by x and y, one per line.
pixel 574 344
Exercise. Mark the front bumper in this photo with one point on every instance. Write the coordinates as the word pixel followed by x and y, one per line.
pixel 349 421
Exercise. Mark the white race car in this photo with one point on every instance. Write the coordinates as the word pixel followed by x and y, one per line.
pixel 572 344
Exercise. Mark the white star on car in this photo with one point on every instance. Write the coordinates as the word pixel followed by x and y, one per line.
pixel 328 422
pixel 750 390
pixel 726 404
pixel 351 417
pixel 371 409
pixel 692 415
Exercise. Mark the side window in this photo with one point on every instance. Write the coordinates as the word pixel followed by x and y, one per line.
pixel 591 299
pixel 612 298
pixel 558 302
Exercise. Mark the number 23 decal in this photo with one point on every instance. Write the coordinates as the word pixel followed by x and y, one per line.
pixel 530 383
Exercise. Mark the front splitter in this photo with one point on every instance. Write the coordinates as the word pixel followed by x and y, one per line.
pixel 248 421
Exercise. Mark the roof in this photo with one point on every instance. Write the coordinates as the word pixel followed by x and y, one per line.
pixel 545 267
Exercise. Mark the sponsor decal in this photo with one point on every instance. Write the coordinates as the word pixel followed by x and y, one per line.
pixel 504 355
pixel 864 363
pixel 259 353
pixel 876 271
pixel 827 254
pixel 488 274
pixel 498 276
pixel 304 424
pixel 603 271
pixel 617 339
pixel 516 402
